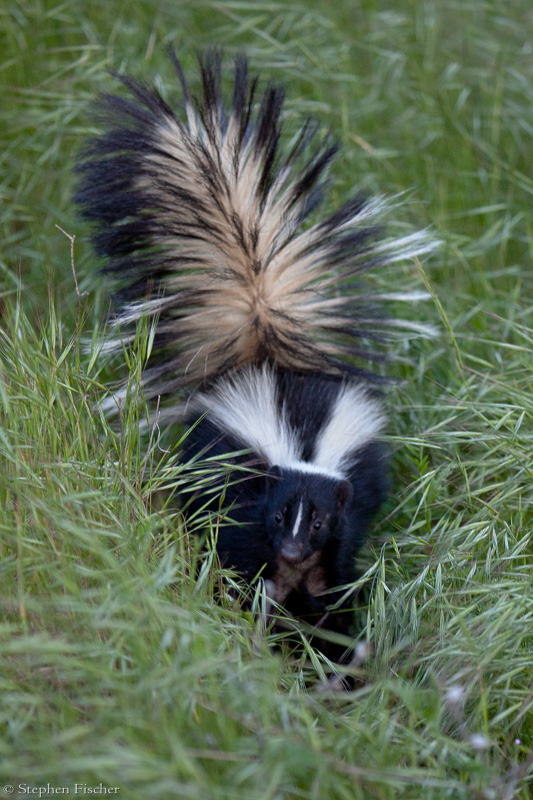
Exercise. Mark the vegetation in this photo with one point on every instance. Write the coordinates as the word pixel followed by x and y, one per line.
pixel 124 660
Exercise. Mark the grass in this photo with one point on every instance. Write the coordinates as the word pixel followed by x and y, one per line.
pixel 123 659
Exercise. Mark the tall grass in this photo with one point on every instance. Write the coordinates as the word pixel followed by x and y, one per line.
pixel 124 659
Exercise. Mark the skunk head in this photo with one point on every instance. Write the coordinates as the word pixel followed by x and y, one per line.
pixel 303 511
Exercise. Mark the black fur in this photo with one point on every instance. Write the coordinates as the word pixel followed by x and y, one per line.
pixel 199 217
pixel 260 511
pixel 152 227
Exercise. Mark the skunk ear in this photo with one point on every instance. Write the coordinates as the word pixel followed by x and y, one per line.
pixel 273 475
pixel 344 492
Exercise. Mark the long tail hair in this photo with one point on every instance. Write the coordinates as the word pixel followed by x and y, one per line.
pixel 203 220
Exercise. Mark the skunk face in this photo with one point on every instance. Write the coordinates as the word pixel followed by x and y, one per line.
pixel 299 522
pixel 303 512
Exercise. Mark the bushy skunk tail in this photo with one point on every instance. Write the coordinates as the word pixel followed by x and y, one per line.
pixel 202 221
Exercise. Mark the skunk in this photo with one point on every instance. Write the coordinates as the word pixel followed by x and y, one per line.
pixel 203 218
pixel 301 522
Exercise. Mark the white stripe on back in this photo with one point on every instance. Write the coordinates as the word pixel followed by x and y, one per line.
pixel 355 419
pixel 245 404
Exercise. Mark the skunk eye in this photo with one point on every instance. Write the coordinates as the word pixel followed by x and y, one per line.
pixel 317 525
pixel 278 517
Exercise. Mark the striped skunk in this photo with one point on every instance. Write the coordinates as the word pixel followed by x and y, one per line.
pixel 203 219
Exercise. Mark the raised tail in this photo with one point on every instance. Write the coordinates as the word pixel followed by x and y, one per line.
pixel 201 220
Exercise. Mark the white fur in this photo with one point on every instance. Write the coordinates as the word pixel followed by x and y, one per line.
pixel 295 291
pixel 404 297
pixel 245 404
pixel 422 328
pixel 313 469
pixel 355 420
pixel 298 520
pixel 219 295
pixel 413 245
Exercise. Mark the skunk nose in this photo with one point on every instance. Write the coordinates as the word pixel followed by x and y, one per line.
pixel 291 553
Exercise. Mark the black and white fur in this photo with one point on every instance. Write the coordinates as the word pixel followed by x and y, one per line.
pixel 301 522
pixel 262 322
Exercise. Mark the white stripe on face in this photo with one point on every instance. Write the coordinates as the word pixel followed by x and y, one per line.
pixel 298 520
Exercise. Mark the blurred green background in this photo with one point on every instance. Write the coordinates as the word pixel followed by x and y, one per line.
pixel 122 657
